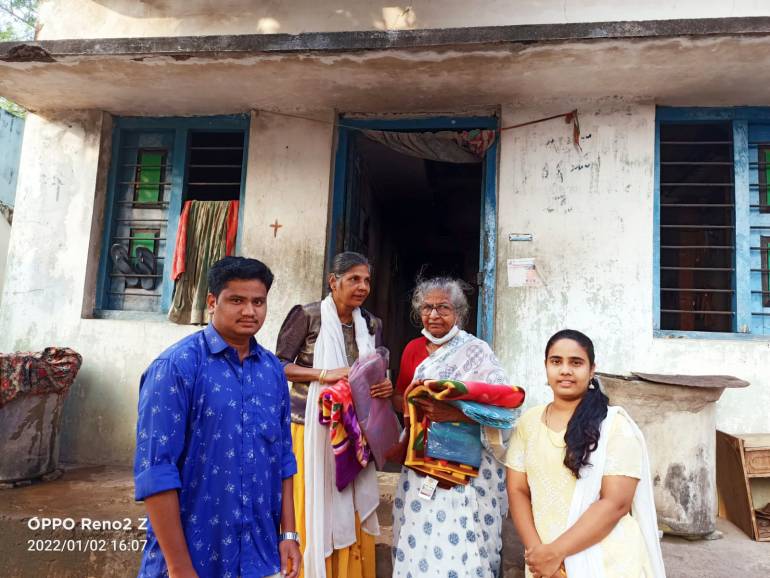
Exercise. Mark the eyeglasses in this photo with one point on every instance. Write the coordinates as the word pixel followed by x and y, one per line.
pixel 443 309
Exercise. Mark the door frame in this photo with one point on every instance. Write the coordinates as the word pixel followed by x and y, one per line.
pixel 485 321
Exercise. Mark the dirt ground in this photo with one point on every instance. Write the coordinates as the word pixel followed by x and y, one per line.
pixel 106 534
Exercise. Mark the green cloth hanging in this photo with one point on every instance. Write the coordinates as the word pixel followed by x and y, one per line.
pixel 206 244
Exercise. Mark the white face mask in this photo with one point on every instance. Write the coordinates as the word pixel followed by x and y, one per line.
pixel 441 340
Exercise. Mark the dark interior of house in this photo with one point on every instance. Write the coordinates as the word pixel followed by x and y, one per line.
pixel 214 166
pixel 412 218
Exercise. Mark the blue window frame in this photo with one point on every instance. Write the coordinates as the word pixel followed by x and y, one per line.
pixel 157 164
pixel 712 184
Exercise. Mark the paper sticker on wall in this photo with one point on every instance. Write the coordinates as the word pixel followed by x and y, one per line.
pixel 523 273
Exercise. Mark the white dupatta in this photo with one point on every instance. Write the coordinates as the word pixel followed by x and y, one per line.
pixel 330 514
pixel 590 563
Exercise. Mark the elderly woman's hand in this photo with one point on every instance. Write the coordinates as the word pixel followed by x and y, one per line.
pixel 382 389
pixel 436 410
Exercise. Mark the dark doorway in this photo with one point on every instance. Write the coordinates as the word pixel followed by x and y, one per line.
pixel 411 217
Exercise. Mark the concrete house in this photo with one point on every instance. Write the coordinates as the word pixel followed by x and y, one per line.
pixel 649 224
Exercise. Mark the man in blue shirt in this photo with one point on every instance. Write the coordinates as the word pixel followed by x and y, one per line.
pixel 214 461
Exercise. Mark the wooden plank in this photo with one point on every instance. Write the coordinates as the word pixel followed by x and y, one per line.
pixel 732 483
pixel 756 441
pixel 757 462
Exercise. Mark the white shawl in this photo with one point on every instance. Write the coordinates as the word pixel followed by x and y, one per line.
pixel 590 563
pixel 329 513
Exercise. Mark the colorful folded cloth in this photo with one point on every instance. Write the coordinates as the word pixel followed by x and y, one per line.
pixel 451 472
pixel 351 452
pixel 52 370
pixel 500 395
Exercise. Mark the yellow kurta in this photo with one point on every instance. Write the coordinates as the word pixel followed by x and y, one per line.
pixel 539 452
pixel 356 561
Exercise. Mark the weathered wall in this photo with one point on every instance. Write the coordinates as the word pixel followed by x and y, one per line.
pixel 288 180
pixel 44 289
pixel 591 214
pixel 124 18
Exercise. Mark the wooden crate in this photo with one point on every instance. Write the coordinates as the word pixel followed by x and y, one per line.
pixel 743 460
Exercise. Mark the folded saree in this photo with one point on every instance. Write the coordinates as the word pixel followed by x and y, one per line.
pixel 376 417
pixel 488 415
pixel 454 442
pixel 351 451
pixel 422 452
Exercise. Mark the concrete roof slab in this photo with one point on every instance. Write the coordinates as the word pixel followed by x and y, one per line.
pixel 208 75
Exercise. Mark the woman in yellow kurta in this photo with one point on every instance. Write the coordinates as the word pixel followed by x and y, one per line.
pixel 554 449
pixel 345 535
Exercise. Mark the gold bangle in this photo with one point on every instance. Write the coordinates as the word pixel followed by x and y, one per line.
pixel 322 376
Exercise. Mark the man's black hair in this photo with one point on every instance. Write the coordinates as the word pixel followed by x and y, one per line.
pixel 230 268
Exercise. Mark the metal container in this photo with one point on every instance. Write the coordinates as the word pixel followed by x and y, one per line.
pixel 677 414
pixel 29 436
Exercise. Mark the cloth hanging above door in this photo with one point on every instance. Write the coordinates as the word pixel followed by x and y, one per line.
pixel 468 146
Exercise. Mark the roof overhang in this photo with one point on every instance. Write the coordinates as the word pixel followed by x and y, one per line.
pixel 695 62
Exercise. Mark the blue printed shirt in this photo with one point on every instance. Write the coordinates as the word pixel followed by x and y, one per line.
pixel 218 431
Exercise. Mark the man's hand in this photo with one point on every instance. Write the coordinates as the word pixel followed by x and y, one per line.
pixel 291 559
pixel 186 572
pixel 163 511
pixel 382 389
pixel 544 560
pixel 440 411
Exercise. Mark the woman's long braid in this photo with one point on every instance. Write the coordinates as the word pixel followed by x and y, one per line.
pixel 582 436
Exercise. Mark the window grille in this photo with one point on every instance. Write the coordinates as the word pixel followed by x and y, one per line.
pixel 215 166
pixel 139 229
pixel 159 164
pixel 697 227
pixel 759 222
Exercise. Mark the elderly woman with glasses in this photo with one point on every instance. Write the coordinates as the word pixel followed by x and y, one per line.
pixel 457 531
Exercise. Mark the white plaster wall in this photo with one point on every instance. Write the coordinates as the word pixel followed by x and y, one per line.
pixel 129 18
pixel 591 214
pixel 288 180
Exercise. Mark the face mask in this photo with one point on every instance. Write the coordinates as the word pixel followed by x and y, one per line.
pixel 441 340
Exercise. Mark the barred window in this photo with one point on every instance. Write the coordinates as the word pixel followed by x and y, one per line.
pixel 713 181
pixel 159 164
